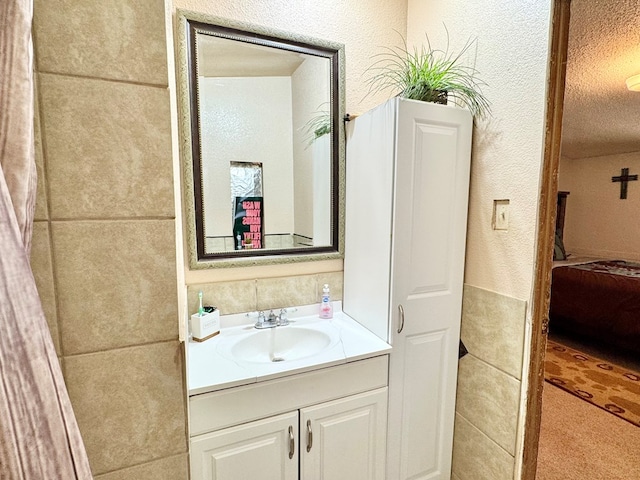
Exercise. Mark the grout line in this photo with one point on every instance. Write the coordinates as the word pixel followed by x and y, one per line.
pixel 47 196
pixel 255 294
pixel 494 366
pixel 143 463
pixel 485 435
pixel 123 347
pixel 112 80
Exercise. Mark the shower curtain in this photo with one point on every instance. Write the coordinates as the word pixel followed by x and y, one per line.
pixel 39 437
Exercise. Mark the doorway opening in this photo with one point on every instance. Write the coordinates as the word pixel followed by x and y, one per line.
pixel 557 144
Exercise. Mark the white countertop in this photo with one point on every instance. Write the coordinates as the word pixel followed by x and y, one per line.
pixel 212 366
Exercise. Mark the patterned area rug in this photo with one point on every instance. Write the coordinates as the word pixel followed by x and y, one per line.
pixel 610 387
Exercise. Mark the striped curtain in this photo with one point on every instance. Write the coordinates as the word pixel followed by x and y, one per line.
pixel 39 436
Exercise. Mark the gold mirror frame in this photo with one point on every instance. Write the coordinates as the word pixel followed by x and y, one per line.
pixel 189 23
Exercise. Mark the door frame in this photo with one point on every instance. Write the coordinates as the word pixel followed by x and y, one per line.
pixel 546 233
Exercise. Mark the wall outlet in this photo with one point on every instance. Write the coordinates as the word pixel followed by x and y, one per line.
pixel 500 215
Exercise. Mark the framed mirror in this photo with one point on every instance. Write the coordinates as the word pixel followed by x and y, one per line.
pixel 262 143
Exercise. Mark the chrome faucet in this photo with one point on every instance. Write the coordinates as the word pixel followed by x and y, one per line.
pixel 272 320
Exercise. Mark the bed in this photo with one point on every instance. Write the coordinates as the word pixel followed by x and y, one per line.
pixel 599 301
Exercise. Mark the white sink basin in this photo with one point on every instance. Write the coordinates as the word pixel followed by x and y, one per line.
pixel 242 355
pixel 280 344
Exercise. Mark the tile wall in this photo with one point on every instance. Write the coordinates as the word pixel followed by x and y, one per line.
pixel 265 293
pixel 104 254
pixel 489 383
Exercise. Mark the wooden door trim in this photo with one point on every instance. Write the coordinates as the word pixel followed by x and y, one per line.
pixel 546 233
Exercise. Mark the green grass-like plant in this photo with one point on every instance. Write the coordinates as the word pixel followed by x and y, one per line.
pixel 317 126
pixel 430 75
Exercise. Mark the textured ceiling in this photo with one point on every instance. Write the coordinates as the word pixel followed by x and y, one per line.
pixel 602 117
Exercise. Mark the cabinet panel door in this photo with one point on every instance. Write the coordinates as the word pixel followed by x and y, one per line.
pixel 368 217
pixel 256 450
pixel 429 233
pixel 348 438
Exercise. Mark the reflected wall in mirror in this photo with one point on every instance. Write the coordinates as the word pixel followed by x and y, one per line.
pixel 262 143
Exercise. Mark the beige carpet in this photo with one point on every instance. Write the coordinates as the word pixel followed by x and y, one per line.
pixel 581 442
pixel 604 384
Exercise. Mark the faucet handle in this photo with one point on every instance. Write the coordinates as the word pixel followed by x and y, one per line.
pixel 283 316
pixel 260 316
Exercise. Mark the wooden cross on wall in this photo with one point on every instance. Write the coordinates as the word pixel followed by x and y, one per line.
pixel 624 178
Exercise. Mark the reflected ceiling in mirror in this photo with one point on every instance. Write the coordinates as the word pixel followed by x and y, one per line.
pixel 262 143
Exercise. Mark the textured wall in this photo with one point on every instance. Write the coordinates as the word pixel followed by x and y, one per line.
pixel 597 222
pixel 362 26
pixel 308 103
pixel 104 253
pixel 256 128
pixel 512 52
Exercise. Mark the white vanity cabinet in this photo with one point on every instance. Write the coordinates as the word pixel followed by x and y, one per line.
pixel 345 438
pixel 322 425
pixel 408 166
pixel 264 449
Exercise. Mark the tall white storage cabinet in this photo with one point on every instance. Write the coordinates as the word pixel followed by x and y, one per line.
pixel 406 217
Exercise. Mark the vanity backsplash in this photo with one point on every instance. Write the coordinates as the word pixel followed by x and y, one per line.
pixel 264 293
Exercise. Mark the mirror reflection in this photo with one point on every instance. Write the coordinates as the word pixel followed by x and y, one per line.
pixel 265 143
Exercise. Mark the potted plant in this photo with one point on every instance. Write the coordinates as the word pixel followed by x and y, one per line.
pixel 430 75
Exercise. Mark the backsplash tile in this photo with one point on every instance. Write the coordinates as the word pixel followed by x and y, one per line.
pixel 266 293
pixel 287 291
pixel 116 283
pixel 493 327
pixel 130 404
pixel 102 38
pixel 107 148
pixel 489 399
pixel 477 457
pixel 229 297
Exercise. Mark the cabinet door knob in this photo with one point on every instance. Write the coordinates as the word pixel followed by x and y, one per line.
pixel 401 320
pixel 309 436
pixel 292 443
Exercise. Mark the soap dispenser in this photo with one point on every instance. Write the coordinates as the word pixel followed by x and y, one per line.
pixel 326 308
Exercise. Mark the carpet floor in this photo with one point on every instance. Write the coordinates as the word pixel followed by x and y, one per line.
pixel 581 442
pixel 608 386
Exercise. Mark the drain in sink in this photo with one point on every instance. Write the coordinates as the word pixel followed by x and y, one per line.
pixel 277 359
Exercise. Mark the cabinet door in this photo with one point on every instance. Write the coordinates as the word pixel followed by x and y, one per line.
pixel 257 450
pixel 429 232
pixel 345 439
